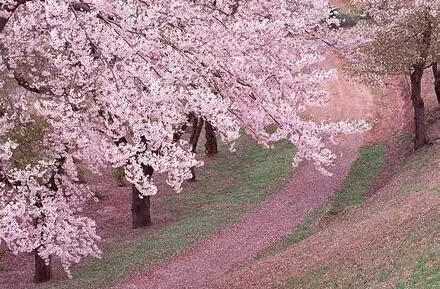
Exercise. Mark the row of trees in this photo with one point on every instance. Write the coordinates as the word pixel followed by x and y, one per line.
pixel 141 204
pixel 397 38
pixel 118 82
pixel 114 82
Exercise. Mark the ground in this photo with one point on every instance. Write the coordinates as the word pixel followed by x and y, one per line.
pixel 210 235
pixel 392 241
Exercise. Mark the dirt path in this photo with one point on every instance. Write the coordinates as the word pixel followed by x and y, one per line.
pixel 210 259
pixel 368 238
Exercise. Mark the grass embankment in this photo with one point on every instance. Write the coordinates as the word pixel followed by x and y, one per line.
pixel 228 187
pixel 365 169
pixel 400 245
pixel 360 179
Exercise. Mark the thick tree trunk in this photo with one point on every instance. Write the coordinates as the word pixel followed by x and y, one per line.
pixel 436 72
pixel 196 131
pixel 43 271
pixel 419 107
pixel 194 139
pixel 211 140
pixel 140 209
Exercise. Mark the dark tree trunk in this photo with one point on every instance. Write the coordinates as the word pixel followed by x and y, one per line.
pixel 194 139
pixel 419 107
pixel 196 131
pixel 140 209
pixel 178 134
pixel 211 140
pixel 43 271
pixel 436 72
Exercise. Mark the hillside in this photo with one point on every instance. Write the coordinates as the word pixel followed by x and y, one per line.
pixel 391 240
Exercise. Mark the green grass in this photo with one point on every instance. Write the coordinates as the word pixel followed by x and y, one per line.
pixel 423 266
pixel 312 280
pixel 416 164
pixel 369 164
pixel 348 18
pixel 365 169
pixel 228 187
pixel 99 195
pixel 425 273
pixel 29 139
pixel 82 175
pixel 119 175
pixel 411 262
pixel 418 254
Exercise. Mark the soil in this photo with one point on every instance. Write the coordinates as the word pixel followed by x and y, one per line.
pixel 367 237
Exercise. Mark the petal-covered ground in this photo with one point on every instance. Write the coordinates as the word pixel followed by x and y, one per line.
pixel 214 258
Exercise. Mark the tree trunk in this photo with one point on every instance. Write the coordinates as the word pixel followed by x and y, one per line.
pixel 211 140
pixel 43 272
pixel 419 107
pixel 140 209
pixel 196 131
pixel 194 140
pixel 436 72
pixel 178 134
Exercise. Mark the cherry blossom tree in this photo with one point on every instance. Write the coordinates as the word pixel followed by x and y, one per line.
pixel 131 70
pixel 398 37
pixel 41 198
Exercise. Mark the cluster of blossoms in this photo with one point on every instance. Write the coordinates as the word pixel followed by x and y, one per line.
pixel 41 202
pixel 116 80
pixel 40 212
pixel 394 37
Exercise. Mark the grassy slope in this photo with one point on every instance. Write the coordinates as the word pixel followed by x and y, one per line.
pixel 370 162
pixel 356 186
pixel 410 262
pixel 229 186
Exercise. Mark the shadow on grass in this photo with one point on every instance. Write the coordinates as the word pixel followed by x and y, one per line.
pixel 360 179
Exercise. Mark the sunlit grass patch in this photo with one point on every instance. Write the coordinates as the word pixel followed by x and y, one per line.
pixel 362 174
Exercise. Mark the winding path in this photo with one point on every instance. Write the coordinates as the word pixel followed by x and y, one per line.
pixel 210 259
